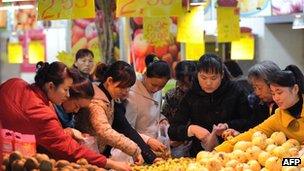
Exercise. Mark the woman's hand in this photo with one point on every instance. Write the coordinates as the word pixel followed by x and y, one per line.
pixel 156 146
pixel 138 159
pixel 118 166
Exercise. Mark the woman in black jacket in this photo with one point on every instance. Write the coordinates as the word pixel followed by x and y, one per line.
pixel 213 101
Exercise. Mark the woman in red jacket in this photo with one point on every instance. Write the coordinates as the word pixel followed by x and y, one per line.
pixel 27 108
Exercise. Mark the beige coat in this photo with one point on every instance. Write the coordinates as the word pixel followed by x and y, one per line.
pixel 143 111
pixel 101 118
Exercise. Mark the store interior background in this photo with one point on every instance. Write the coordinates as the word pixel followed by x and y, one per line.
pixel 275 41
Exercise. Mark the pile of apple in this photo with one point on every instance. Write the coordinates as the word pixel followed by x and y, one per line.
pixel 177 164
pixel 261 153
pixel 17 162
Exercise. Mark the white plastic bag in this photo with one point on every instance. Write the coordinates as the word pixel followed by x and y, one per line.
pixel 118 155
pixel 91 143
pixel 163 137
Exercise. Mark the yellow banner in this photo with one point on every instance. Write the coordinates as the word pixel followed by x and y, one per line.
pixel 191 26
pixel 149 8
pixel 157 30
pixel 67 9
pixel 15 53
pixel 228 26
pixel 194 51
pixel 243 49
pixel 36 52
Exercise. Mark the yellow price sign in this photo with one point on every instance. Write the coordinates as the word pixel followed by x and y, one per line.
pixel 15 53
pixel 65 9
pixel 191 26
pixel 228 25
pixel 148 8
pixel 36 52
pixel 243 49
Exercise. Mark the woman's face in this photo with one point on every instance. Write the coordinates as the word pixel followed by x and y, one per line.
pixel 261 89
pixel 154 84
pixel 73 105
pixel 59 94
pixel 115 90
pixel 85 64
pixel 284 97
pixel 209 82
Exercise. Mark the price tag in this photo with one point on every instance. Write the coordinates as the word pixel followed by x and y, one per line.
pixel 65 9
pixel 148 8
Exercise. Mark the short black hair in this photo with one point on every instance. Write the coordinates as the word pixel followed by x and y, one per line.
pixel 150 58
pixel 83 53
pixel 185 69
pixel 158 69
pixel 210 63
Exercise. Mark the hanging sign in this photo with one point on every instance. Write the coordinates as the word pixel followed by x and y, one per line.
pixel 228 25
pixel 243 49
pixel 148 8
pixel 191 26
pixel 67 9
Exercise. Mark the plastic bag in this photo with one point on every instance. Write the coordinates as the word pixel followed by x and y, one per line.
pixel 118 155
pixel 163 137
pixel 91 143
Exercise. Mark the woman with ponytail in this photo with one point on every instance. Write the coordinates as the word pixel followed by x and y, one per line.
pixel 28 109
pixel 287 89
pixel 115 82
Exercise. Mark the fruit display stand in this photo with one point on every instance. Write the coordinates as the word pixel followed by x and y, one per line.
pixel 17 162
pixel 261 153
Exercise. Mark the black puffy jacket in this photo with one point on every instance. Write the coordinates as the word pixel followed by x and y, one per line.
pixel 228 104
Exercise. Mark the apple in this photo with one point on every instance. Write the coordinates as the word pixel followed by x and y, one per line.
pixel 293 141
pixel 269 141
pixel 82 23
pixel 242 145
pixel 239 155
pixel 270 148
pixel 260 142
pixel 232 163
pixel 273 163
pixel 161 50
pixel 77 33
pixel 254 165
pixel 263 156
pixel 259 134
pixel 252 153
pixel 138 20
pixel 203 154
pixel 280 152
pixel 140 46
pixel 293 151
pixel 278 137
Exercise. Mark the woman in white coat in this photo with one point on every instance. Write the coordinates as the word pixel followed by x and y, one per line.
pixel 144 102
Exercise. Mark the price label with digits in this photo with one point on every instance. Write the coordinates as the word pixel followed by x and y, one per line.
pixel 65 9
pixel 148 8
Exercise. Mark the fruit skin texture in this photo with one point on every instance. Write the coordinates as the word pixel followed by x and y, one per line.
pixel 273 163
pixel 278 137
